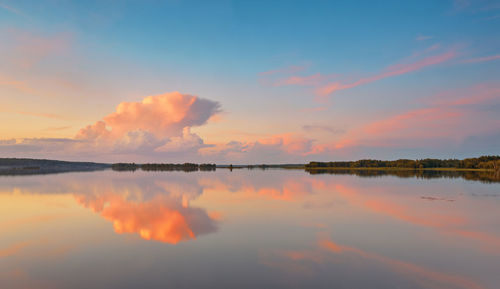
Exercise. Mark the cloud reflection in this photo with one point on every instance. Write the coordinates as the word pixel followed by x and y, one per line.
pixel 163 218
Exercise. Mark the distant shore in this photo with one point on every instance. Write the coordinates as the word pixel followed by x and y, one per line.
pixel 25 166
pixel 399 169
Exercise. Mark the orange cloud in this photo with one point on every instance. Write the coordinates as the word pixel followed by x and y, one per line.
pixel 39 114
pixel 18 85
pixel 163 115
pixel 13 249
pixel 159 125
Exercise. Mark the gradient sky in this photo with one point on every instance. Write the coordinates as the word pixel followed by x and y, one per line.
pixel 249 81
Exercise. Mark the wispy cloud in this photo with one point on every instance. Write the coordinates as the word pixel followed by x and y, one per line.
pixel 421 37
pixel 453 115
pixel 327 84
pixel 288 145
pixel 11 9
pixel 322 128
pixel 390 71
pixel 491 17
pixel 39 114
pixel 310 80
pixel 461 4
pixel 482 59
pixel 26 49
pixel 57 128
pixel 16 84
pixel 13 249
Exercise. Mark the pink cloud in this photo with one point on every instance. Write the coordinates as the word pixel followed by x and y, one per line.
pixel 157 125
pixel 275 146
pixel 423 37
pixel 451 115
pixel 26 49
pixel 481 93
pixel 311 80
pixel 394 70
pixel 159 116
pixel 288 142
pixel 324 86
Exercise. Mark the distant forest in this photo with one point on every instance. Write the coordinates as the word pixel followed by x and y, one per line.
pixel 24 166
pixel 489 176
pixel 186 167
pixel 483 162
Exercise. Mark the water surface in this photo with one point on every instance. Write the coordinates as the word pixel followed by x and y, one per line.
pixel 247 229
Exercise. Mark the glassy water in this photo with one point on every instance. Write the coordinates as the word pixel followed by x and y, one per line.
pixel 248 229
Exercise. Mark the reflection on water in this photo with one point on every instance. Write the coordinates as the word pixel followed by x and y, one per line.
pixel 162 218
pixel 248 229
pixel 471 175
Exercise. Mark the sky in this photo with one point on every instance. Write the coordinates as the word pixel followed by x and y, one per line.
pixel 249 81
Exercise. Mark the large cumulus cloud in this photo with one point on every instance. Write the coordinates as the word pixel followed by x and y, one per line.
pixel 164 115
pixel 159 125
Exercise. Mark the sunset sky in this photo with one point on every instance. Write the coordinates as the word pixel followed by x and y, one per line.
pixel 249 81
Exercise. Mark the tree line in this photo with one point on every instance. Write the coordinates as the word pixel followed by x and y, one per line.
pixel 187 167
pixel 482 176
pixel 483 162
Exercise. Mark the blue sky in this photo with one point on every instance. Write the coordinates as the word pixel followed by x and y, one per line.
pixel 337 66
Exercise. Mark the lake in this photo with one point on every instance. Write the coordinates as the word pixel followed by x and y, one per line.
pixel 248 229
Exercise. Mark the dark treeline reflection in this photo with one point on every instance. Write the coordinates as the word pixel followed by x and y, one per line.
pixel 482 176
pixel 483 162
pixel 186 167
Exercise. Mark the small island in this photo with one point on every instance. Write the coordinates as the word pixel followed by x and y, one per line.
pixel 186 167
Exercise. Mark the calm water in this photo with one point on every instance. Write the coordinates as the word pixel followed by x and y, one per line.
pixel 247 229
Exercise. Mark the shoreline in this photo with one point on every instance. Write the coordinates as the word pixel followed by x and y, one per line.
pixel 400 169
